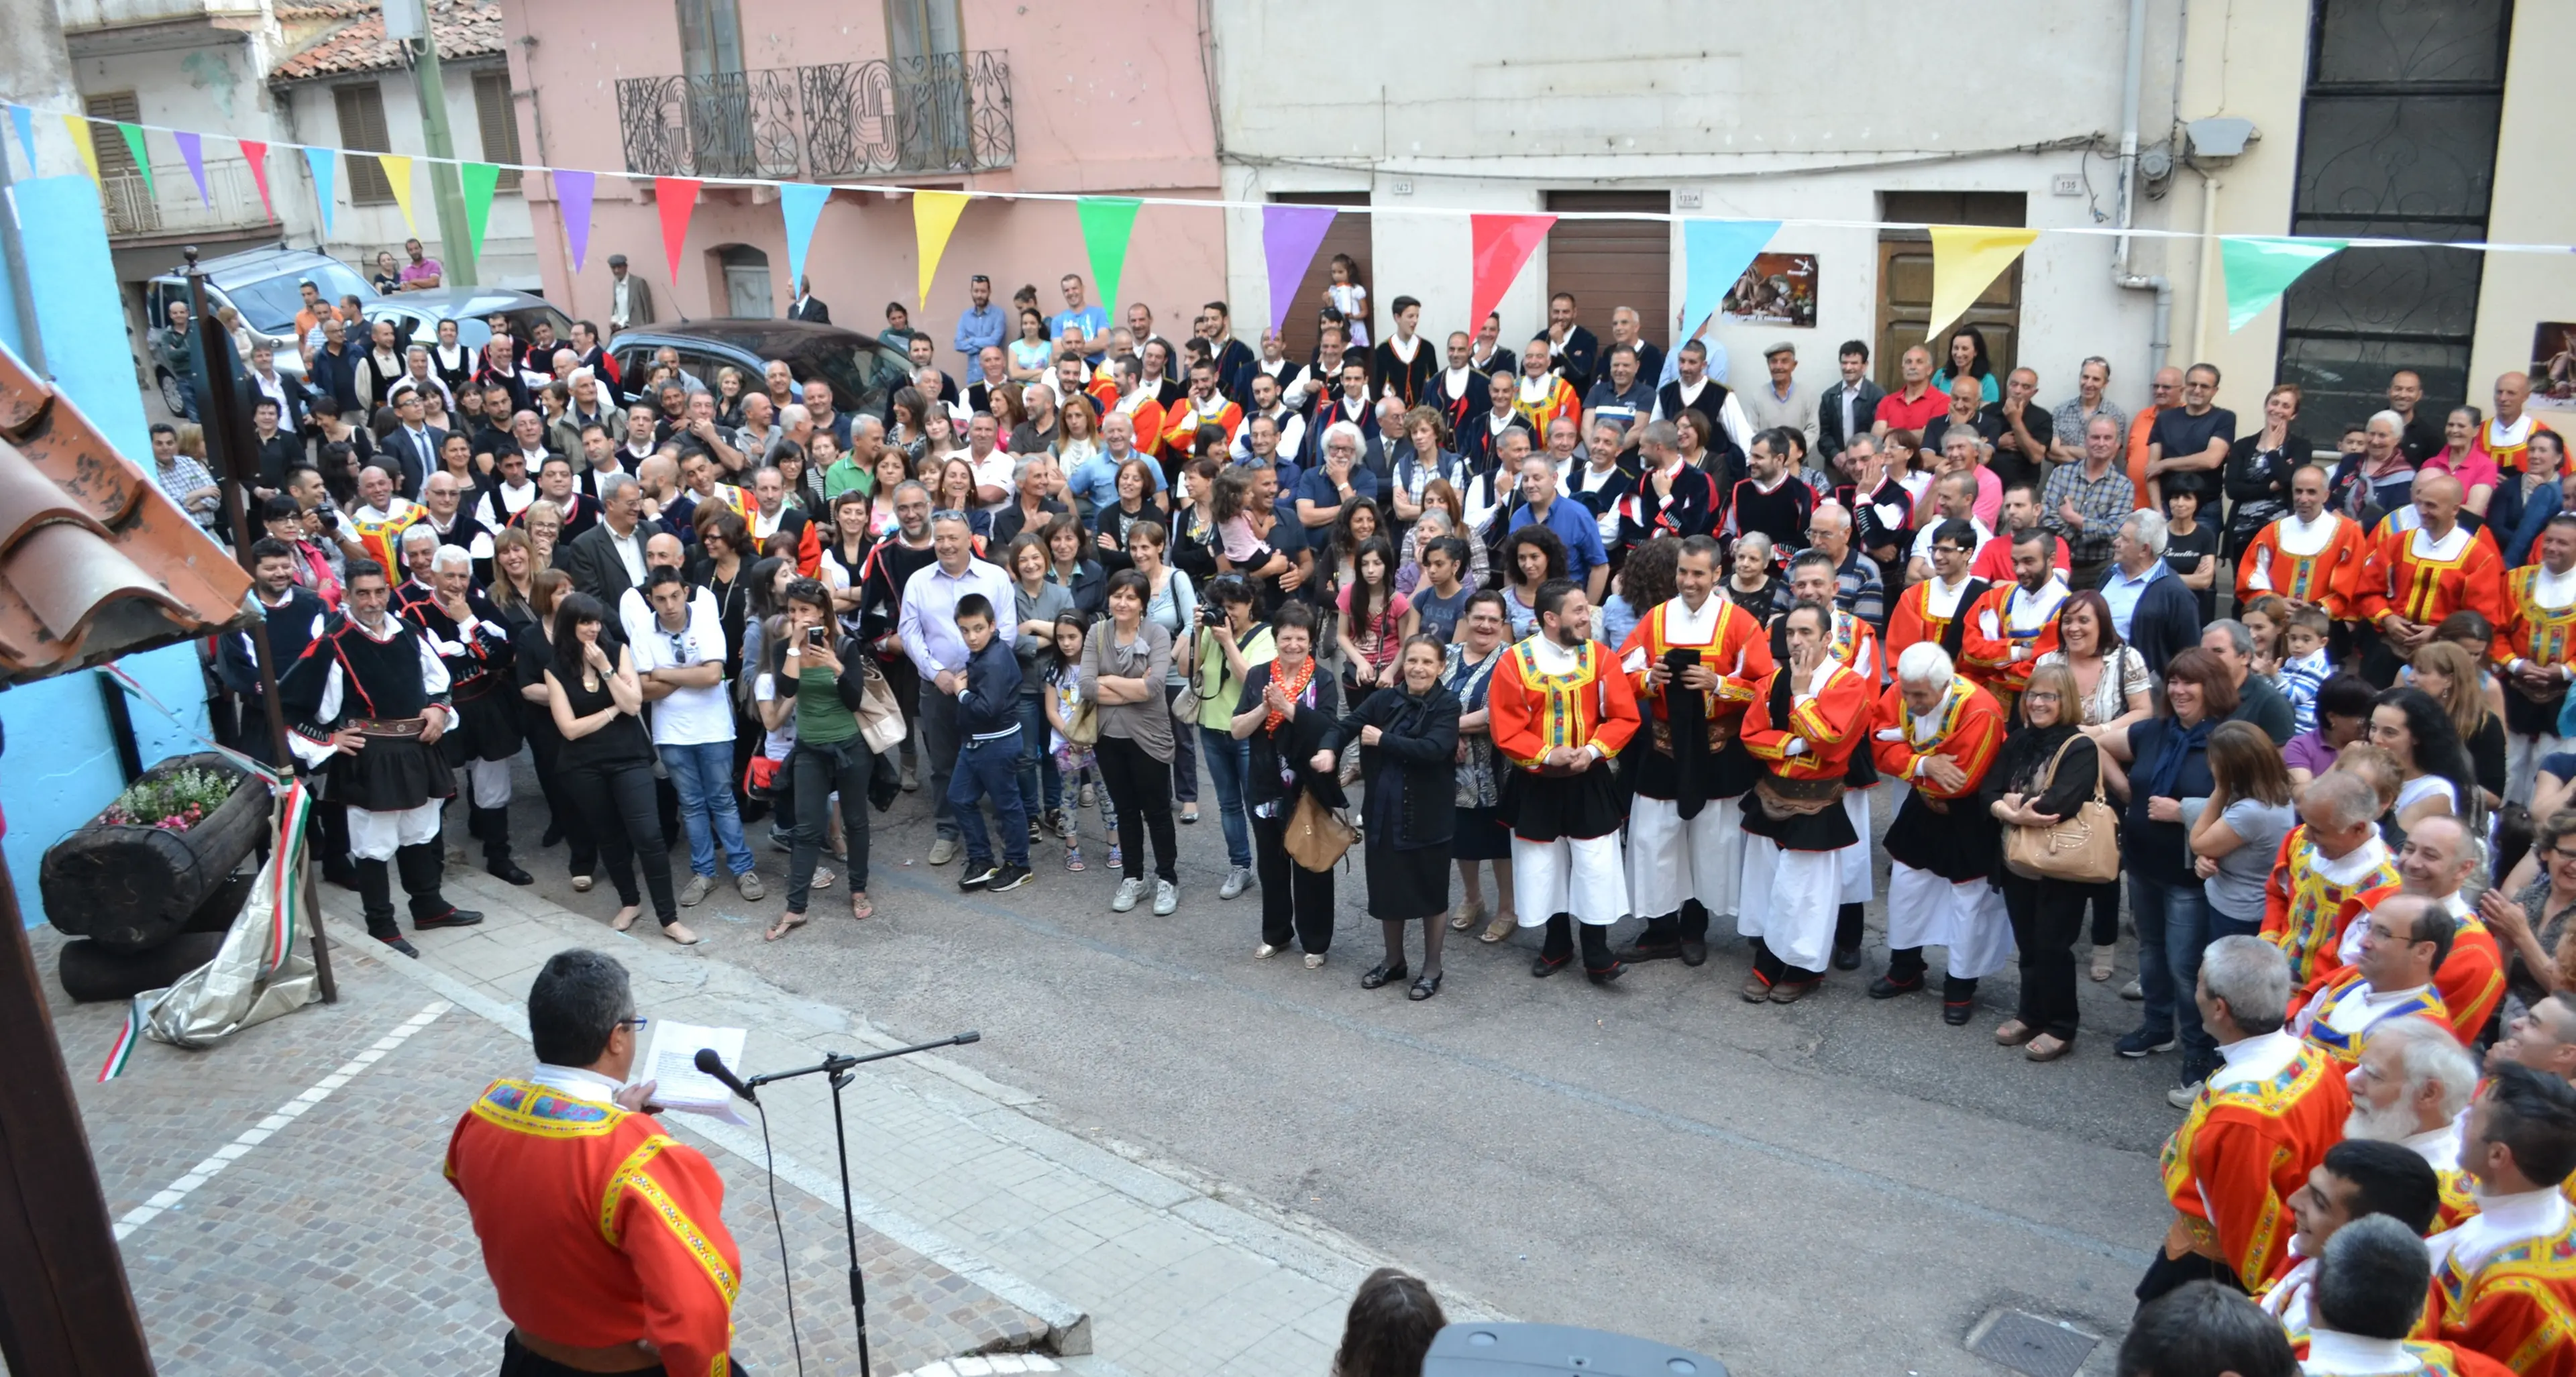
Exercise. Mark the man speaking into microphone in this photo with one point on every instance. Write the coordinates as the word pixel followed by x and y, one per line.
pixel 603 1235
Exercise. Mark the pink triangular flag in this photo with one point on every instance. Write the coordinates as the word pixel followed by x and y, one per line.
pixel 1502 244
pixel 193 149
pixel 677 198
pixel 255 153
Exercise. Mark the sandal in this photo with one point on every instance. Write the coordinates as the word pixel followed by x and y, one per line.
pixel 2102 963
pixel 1466 916
pixel 1425 987
pixel 675 931
pixel 787 923
pixel 861 907
pixel 824 878
pixel 2014 1033
pixel 625 919
pixel 2047 1047
pixel 1498 929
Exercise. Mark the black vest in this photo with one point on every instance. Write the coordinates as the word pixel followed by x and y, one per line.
pixel 379 679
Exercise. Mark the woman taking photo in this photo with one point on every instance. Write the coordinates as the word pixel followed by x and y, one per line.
pixel 2168 759
pixel 1290 715
pixel 2450 674
pixel 1110 524
pixel 1067 568
pixel 822 675
pixel 2111 693
pixel 1408 739
pixel 2259 466
pixel 1172 604
pixel 2236 831
pixel 1126 660
pixel 607 760
pixel 1480 834
pixel 1035 605
pixel 2030 785
pixel 2433 774
pixel 1193 523
pixel 1534 555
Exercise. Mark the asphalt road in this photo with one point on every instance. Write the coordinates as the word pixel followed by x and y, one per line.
pixel 1840 1186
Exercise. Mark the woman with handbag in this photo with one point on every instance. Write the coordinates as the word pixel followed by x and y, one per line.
pixel 824 671
pixel 1290 715
pixel 2045 774
pixel 1408 741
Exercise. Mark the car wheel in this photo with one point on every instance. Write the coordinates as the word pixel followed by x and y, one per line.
pixel 173 395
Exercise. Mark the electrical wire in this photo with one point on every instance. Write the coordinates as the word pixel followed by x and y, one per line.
pixel 769 1159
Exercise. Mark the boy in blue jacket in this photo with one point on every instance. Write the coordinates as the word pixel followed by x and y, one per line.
pixel 988 752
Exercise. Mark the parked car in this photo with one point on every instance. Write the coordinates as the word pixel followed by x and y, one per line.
pixel 261 284
pixel 863 370
pixel 416 314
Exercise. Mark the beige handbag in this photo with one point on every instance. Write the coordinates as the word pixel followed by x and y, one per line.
pixel 2083 849
pixel 880 716
pixel 1317 836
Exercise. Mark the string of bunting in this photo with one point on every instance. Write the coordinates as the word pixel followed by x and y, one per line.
pixel 1966 259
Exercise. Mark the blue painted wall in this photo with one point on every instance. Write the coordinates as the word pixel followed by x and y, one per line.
pixel 60 767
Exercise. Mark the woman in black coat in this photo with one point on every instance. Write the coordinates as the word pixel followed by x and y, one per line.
pixel 1290 716
pixel 1408 736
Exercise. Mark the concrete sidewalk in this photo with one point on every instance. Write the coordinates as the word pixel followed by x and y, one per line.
pixel 1151 1272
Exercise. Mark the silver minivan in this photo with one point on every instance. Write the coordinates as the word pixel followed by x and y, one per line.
pixel 261 284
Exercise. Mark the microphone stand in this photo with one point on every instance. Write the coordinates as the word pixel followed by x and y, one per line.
pixel 838 1068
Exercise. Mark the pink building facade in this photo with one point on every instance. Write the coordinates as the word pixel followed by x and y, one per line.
pixel 983 95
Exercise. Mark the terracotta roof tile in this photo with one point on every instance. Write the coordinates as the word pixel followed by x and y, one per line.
pixel 465 29
pixel 95 562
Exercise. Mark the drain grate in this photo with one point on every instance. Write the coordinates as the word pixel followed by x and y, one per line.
pixel 2028 1344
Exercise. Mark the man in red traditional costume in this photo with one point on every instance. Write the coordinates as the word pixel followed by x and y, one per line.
pixel 1938 733
pixel 2312 557
pixel 1561 711
pixel 2508 1276
pixel 1815 577
pixel 2332 868
pixel 1805 724
pixel 2262 1122
pixel 2511 430
pixel 2535 650
pixel 2357 1179
pixel 2012 624
pixel 2410 1087
pixel 2371 1294
pixel 1694 663
pixel 1935 611
pixel 2416 577
pixel 604 1236
pixel 2391 977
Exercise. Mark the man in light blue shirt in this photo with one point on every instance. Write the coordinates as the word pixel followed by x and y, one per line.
pixel 1585 561
pixel 928 626
pixel 1095 479
pixel 1093 321
pixel 981 327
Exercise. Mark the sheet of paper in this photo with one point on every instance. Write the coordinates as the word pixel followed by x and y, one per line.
pixel 670 1061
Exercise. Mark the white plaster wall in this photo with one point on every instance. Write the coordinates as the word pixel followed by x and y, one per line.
pixel 358 232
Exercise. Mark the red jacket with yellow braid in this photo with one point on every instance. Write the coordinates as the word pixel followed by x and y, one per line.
pixel 1826 726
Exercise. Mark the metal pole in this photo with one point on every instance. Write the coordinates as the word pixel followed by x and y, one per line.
pixel 229 445
pixel 455 238
pixel 21 291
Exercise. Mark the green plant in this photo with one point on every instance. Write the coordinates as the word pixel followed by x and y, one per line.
pixel 176 801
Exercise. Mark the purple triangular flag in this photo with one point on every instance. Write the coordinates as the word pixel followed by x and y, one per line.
pixel 572 196
pixel 1289 238
pixel 192 149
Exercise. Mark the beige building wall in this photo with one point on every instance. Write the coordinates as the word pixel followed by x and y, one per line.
pixel 2535 202
pixel 2249 61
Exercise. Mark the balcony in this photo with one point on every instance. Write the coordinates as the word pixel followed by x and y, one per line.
pixel 173 208
pixel 949 112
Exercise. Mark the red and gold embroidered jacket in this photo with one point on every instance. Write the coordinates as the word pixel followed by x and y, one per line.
pixel 598 1229
pixel 2312 1010
pixel 1182 419
pixel 2231 1167
pixel 1540 413
pixel 2304 913
pixel 2517 1307
pixel 2398 582
pixel 1988 655
pixel 1832 724
pixel 2544 636
pixel 2502 444
pixel 1739 652
pixel 2325 578
pixel 1971 731
pixel 1534 713
pixel 1911 622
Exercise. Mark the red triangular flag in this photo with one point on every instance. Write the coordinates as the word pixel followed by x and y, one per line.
pixel 255 153
pixel 1502 244
pixel 677 198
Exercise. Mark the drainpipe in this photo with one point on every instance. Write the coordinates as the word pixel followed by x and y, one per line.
pixel 2160 335
pixel 2201 291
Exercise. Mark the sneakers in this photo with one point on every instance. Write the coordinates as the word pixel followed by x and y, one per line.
pixel 2133 991
pixel 1237 880
pixel 978 874
pixel 1129 891
pixel 780 841
pixel 2181 1096
pixel 2138 1042
pixel 695 891
pixel 1007 878
pixel 1033 831
pixel 1167 897
pixel 911 781
pixel 748 885
pixel 944 850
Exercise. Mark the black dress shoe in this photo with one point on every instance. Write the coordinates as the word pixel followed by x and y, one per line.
pixel 453 918
pixel 509 871
pixel 398 942
pixel 553 835
pixel 1542 967
pixel 1425 987
pixel 1847 958
pixel 1381 973
pixel 1956 1015
pixel 1693 952
pixel 1604 977
pixel 1884 988
pixel 341 875
pixel 1642 950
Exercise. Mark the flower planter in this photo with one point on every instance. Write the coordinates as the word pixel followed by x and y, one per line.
pixel 130 887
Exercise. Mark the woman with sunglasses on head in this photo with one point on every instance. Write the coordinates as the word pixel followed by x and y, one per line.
pixel 607 759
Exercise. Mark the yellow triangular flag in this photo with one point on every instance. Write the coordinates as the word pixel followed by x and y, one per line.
pixel 398 174
pixel 1966 259
pixel 934 218
pixel 88 151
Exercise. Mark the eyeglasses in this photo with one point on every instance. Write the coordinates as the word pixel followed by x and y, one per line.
pixel 636 1022
pixel 948 514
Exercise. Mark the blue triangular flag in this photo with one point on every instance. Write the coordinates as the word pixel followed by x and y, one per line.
pixel 802 204
pixel 25 119
pixel 1714 254
pixel 324 170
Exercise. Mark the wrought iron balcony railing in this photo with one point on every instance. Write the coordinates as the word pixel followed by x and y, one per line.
pixel 949 112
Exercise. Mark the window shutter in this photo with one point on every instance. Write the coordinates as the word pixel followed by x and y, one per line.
pixel 362 129
pixel 113 156
pixel 498 124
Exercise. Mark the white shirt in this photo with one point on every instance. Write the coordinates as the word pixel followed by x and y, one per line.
pixel 630 551
pixel 495 508
pixel 578 1082
pixel 2257 1058
pixel 1923 538
pixel 2425 547
pixel 2350 1355
pixel 2348 947
pixel 2295 537
pixel 619 314
pixel 2439 1147
pixel 2359 1008
pixel 689 716
pixel 2501 1221
pixel 1942 599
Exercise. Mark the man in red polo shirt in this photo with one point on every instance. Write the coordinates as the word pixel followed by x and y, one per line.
pixel 1913 405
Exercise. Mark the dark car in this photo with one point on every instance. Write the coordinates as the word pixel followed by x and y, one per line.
pixel 416 314
pixel 863 370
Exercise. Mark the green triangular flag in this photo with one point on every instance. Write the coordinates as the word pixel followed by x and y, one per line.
pixel 2259 269
pixel 1106 223
pixel 142 159
pixel 479 179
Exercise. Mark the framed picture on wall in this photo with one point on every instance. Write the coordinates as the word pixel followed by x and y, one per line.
pixel 2553 365
pixel 1778 289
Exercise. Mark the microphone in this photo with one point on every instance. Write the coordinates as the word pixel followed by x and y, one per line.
pixel 714 1066
pixel 965 1038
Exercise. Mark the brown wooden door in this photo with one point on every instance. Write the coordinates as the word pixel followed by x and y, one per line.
pixel 1905 279
pixel 1349 234
pixel 1608 264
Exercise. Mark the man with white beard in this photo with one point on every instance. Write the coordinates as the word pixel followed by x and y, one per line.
pixel 2409 1088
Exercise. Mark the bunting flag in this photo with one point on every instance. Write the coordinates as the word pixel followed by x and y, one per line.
pixel 25 120
pixel 81 143
pixel 192 150
pixel 1966 259
pixel 1289 237
pixel 1502 244
pixel 572 197
pixel 934 218
pixel 1107 222
pixel 677 198
pixel 2260 268
pixel 397 169
pixel 801 205
pixel 478 180
pixel 1714 254
pixel 133 136
pixel 324 174
pixel 255 153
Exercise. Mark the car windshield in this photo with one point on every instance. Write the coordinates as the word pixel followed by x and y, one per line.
pixel 475 331
pixel 270 303
pixel 862 379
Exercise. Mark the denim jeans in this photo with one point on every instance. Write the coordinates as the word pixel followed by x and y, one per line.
pixel 989 768
pixel 2173 928
pixel 1228 761
pixel 1036 765
pixel 703 775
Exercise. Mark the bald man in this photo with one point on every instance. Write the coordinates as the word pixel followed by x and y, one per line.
pixel 2509 430
pixel 2168 393
pixel 2415 578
